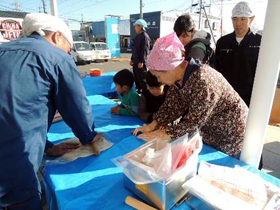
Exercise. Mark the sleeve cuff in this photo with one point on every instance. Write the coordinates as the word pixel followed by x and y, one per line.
pixel 48 145
pixel 89 138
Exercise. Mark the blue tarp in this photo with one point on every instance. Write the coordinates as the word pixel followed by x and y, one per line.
pixel 94 182
pixel 100 85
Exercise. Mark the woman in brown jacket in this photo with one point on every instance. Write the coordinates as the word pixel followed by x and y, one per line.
pixel 199 98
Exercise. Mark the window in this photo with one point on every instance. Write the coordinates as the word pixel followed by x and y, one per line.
pixel 82 46
pixel 215 26
pixel 206 24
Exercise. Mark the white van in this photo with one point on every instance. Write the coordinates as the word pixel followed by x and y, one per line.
pixel 102 51
pixel 82 52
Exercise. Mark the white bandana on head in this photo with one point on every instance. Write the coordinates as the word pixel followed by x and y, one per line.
pixel 242 9
pixel 38 22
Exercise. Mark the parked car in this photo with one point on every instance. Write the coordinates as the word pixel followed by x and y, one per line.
pixel 82 52
pixel 102 51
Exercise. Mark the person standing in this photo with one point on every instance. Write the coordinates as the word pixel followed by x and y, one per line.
pixel 38 77
pixel 197 43
pixel 140 51
pixel 237 53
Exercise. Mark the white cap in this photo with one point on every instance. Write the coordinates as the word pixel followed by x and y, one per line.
pixel 38 22
pixel 242 9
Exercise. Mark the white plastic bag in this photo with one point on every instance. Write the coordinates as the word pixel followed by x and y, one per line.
pixel 156 167
pixel 158 160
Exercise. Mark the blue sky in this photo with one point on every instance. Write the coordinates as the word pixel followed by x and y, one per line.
pixel 92 10
pixel 96 9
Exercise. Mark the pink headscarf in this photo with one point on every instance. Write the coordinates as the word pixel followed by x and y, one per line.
pixel 166 54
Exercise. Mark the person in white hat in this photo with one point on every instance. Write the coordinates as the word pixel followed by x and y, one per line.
pixel 237 53
pixel 38 77
pixel 140 51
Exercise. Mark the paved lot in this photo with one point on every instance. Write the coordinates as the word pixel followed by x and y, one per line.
pixel 271 152
pixel 112 65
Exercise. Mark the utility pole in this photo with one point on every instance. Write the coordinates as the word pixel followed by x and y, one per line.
pixel 200 16
pixel 222 17
pixel 17 5
pixel 209 26
pixel 141 12
pixel 210 3
pixel 54 11
pixel 44 6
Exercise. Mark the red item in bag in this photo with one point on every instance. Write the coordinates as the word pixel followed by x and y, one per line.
pixel 187 153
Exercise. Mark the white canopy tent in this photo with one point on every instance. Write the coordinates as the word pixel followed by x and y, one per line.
pixel 264 87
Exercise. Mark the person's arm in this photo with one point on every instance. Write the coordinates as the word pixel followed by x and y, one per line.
pixel 132 108
pixel 171 109
pixel 127 111
pixel 48 145
pixel 198 51
pixel 143 113
pixel 202 101
pixel 62 148
pixel 131 60
pixel 70 100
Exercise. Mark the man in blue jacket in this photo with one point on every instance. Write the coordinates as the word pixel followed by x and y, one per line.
pixel 38 77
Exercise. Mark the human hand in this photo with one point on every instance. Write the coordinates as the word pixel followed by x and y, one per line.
pixel 131 63
pixel 140 65
pixel 115 110
pixel 155 135
pixel 146 128
pixel 62 148
pixel 94 145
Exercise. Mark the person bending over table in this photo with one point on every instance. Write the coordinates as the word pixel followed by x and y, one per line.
pixel 129 97
pixel 199 96
pixel 38 77
pixel 151 99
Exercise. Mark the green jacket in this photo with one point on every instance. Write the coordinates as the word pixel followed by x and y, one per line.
pixel 129 103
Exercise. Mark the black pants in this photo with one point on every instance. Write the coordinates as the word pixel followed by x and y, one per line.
pixel 139 77
pixel 33 203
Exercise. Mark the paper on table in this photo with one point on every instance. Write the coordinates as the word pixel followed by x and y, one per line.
pixel 228 188
pixel 274 203
pixel 85 150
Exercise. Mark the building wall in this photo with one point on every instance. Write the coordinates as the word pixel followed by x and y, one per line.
pixel 214 24
pixel 124 27
pixel 98 29
pixel 153 21
pixel 167 23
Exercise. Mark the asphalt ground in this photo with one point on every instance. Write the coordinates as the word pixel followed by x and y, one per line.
pixel 114 64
